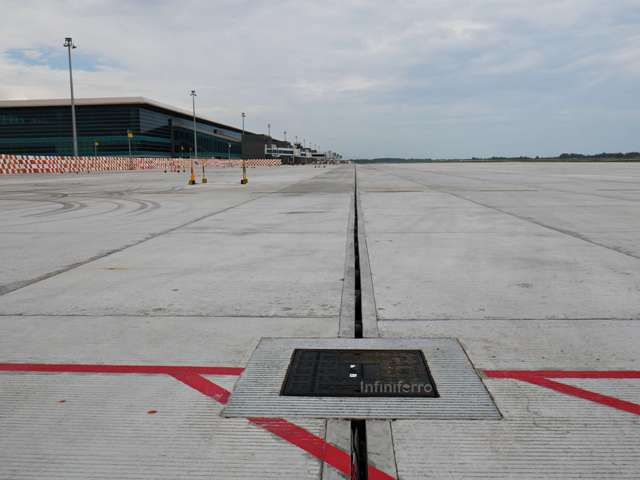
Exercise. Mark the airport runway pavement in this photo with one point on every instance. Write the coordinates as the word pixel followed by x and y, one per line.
pixel 131 304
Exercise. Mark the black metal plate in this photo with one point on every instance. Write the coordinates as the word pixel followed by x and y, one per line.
pixel 358 373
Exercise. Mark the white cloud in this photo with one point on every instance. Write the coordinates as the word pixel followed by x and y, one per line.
pixel 340 72
pixel 32 54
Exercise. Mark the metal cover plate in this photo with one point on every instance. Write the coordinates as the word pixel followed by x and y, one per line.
pixel 461 393
pixel 358 373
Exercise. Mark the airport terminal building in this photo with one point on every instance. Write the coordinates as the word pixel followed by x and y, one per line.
pixel 44 127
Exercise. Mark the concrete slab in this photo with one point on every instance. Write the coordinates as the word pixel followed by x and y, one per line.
pixel 62 426
pixel 469 276
pixel 529 449
pixel 338 433
pixel 426 248
pixel 542 260
pixel 104 284
pixel 257 275
pixel 528 266
pixel 147 340
pixel 533 343
pixel 267 255
pixel 50 222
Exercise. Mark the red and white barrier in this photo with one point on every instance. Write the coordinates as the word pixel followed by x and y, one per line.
pixel 20 164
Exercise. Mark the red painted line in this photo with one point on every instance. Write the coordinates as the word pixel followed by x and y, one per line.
pixel 99 368
pixel 316 446
pixel 562 373
pixel 292 433
pixel 374 474
pixel 204 386
pixel 192 377
pixel 585 394
pixel 307 441
pixel 542 378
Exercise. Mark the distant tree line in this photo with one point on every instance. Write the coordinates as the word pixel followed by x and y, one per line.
pixel 633 155
pixel 576 157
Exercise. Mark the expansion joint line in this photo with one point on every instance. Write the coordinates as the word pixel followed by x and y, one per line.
pixel 359 460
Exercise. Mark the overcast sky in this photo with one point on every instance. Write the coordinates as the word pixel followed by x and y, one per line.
pixel 429 78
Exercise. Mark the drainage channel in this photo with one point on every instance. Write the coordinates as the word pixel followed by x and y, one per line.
pixel 358 427
pixel 356 259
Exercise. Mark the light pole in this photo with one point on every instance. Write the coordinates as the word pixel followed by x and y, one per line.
pixel 95 148
pixel 285 139
pixel 192 178
pixel 129 137
pixel 229 151
pixel 244 180
pixel 195 136
pixel 270 145
pixel 68 43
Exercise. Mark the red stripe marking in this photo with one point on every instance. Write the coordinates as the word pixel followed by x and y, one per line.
pixel 316 446
pixel 292 433
pixel 192 377
pixel 204 386
pixel 307 441
pixel 585 394
pixel 99 368
pixel 542 379
pixel 563 373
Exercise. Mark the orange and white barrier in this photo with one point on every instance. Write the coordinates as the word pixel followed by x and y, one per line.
pixel 251 162
pixel 20 164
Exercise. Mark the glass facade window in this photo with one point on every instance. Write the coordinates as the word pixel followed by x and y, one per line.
pixel 46 130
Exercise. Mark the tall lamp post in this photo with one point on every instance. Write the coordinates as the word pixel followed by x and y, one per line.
pixel 228 151
pixel 285 139
pixel 192 178
pixel 68 43
pixel 270 145
pixel 244 180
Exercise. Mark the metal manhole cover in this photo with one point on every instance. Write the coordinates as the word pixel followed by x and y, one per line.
pixel 461 393
pixel 358 373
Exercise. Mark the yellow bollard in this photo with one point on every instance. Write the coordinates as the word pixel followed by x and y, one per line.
pixel 192 178
pixel 244 180
pixel 204 177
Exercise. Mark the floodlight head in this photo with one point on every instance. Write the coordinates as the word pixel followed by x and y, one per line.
pixel 68 42
pixel 193 93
